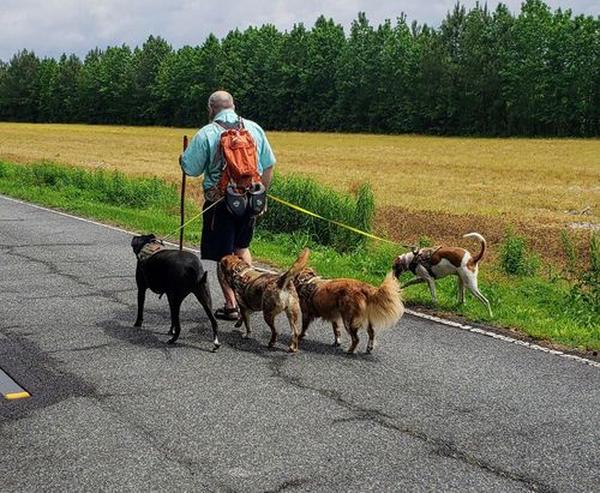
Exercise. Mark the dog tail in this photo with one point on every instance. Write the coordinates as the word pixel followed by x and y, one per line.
pixel 384 307
pixel 481 240
pixel 295 269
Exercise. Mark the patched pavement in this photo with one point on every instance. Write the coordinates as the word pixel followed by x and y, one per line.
pixel 115 408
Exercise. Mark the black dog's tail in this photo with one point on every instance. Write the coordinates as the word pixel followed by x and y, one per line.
pixel 294 270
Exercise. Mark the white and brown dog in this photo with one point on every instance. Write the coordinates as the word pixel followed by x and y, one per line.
pixel 429 264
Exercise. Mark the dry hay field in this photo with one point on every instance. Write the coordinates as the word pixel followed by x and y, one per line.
pixel 439 187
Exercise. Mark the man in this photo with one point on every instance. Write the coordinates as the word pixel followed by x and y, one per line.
pixel 222 232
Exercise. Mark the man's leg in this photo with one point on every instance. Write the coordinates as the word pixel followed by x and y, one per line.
pixel 228 293
pixel 242 234
pixel 218 234
pixel 230 302
pixel 244 254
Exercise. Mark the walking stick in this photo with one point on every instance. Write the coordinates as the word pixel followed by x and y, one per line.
pixel 182 207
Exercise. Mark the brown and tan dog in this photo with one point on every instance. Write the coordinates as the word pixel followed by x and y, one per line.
pixel 429 264
pixel 267 292
pixel 351 303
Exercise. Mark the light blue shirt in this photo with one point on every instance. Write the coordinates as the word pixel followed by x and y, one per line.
pixel 199 158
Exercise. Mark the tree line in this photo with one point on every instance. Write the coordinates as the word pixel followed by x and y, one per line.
pixel 481 72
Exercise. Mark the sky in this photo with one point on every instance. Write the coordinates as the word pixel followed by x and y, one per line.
pixel 51 27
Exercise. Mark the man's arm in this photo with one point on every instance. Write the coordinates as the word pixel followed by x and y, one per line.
pixel 196 157
pixel 267 160
pixel 267 176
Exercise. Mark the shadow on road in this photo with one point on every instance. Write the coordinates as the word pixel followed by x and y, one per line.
pixel 154 335
pixel 121 328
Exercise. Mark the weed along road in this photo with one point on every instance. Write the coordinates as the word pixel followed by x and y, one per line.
pixel 113 407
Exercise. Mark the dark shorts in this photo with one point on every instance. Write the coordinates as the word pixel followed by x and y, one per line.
pixel 223 233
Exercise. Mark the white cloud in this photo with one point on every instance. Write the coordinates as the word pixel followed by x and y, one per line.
pixel 55 26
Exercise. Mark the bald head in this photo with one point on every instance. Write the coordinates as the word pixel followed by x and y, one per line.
pixel 218 101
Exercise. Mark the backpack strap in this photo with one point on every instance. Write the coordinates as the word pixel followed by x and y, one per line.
pixel 237 125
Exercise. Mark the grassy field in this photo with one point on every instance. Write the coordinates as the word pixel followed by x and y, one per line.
pixel 438 187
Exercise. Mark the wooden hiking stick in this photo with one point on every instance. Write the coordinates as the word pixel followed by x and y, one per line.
pixel 182 207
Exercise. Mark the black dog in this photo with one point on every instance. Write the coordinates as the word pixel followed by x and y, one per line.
pixel 174 273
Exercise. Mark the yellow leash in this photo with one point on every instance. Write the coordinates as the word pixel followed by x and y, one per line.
pixel 303 211
pixel 332 221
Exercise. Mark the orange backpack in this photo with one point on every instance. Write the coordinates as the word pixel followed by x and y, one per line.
pixel 239 157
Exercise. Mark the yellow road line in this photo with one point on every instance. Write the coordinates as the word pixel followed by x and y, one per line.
pixel 17 395
pixel 10 389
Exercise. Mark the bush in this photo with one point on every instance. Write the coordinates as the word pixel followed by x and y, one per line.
pixel 425 242
pixel 356 211
pixel 108 187
pixel 515 257
pixel 585 295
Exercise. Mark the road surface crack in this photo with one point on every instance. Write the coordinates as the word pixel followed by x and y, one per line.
pixel 441 447
pixel 290 483
pixel 54 269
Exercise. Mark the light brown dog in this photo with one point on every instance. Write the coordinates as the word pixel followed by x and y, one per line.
pixel 270 293
pixel 348 302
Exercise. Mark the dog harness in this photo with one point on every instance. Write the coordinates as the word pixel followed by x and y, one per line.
pixel 238 273
pixel 150 249
pixel 307 284
pixel 423 258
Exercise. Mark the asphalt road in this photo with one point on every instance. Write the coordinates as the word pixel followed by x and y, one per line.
pixel 113 408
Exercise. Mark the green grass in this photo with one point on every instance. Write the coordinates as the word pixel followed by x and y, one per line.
pixel 537 305
pixel 356 211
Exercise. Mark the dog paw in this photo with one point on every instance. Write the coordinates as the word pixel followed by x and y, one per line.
pixel 137 324
pixel 292 349
pixel 336 343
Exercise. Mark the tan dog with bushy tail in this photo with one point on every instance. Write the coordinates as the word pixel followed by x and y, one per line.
pixel 355 304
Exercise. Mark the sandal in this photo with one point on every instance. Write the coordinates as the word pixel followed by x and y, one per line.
pixel 231 314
